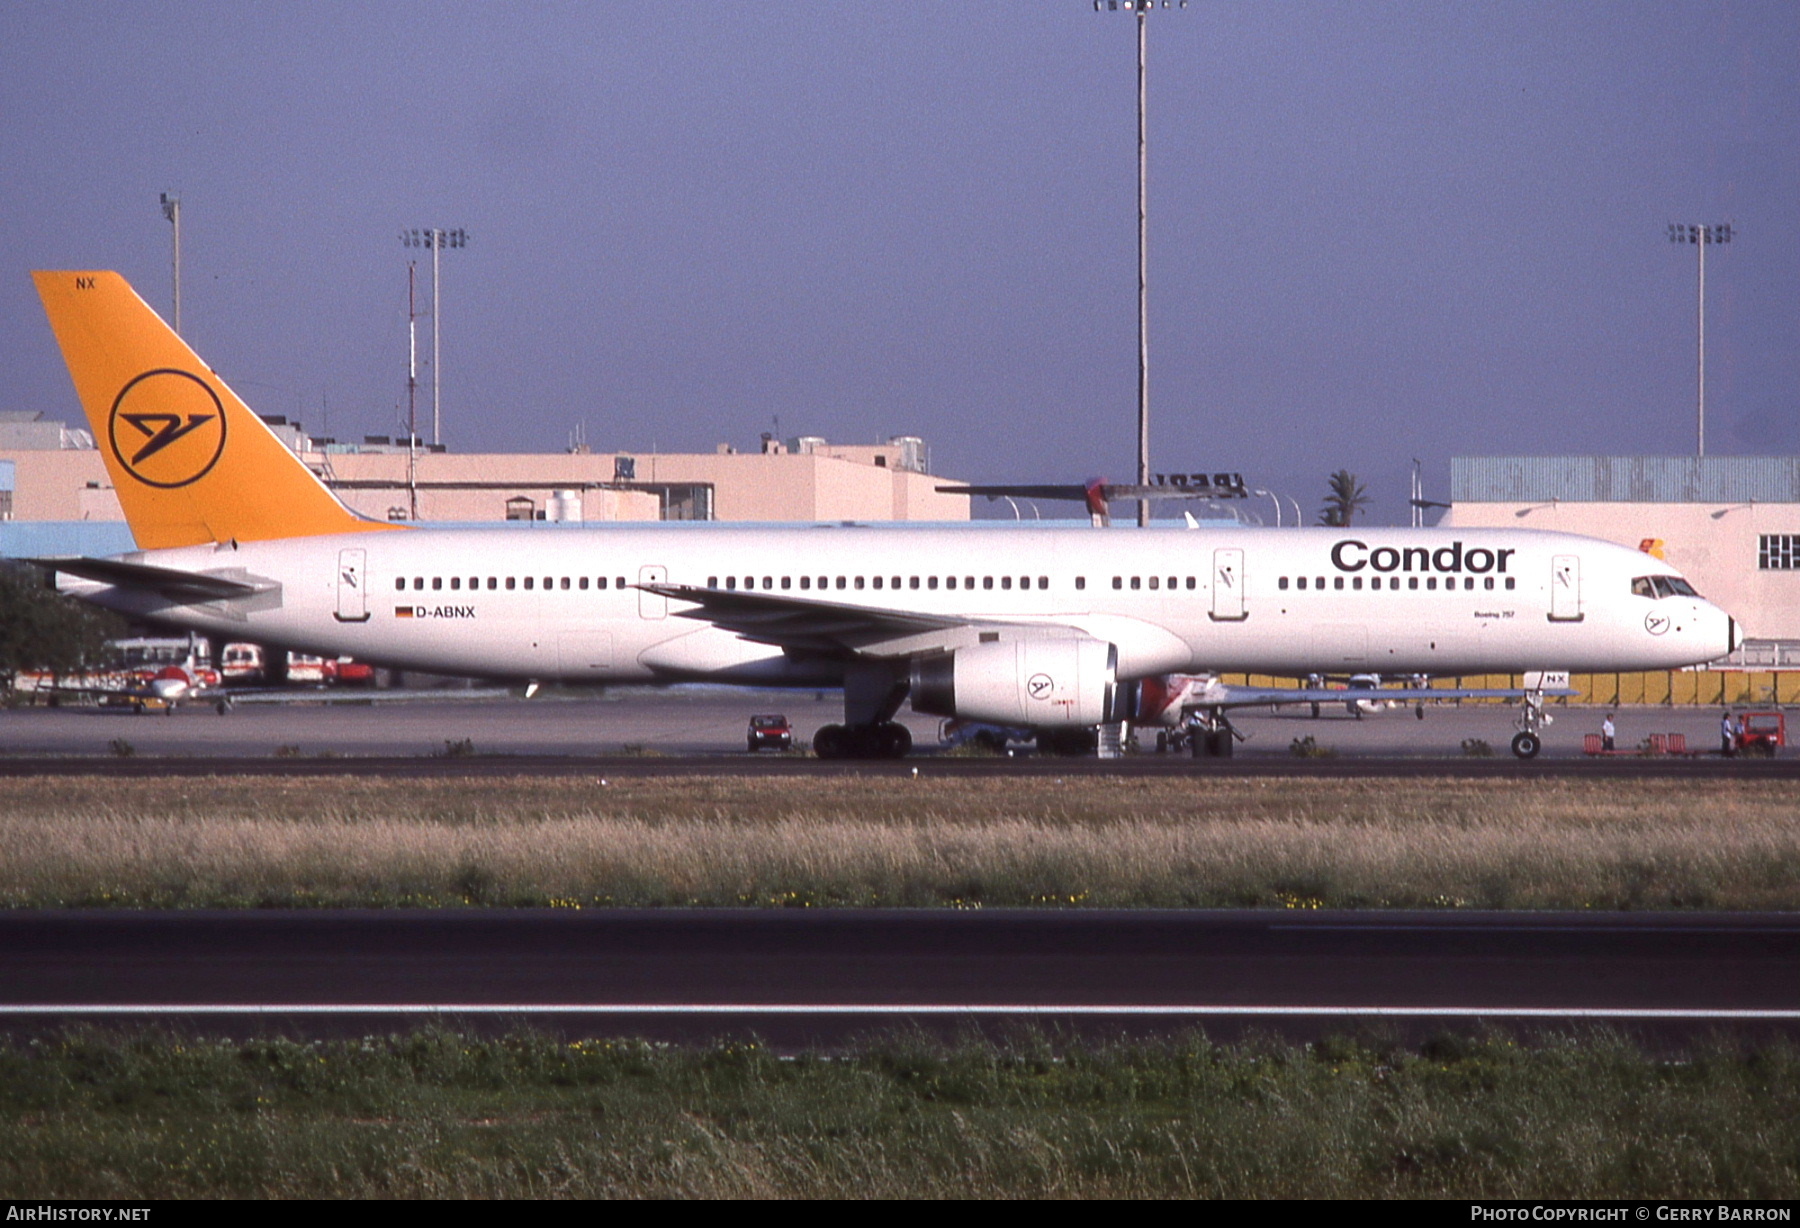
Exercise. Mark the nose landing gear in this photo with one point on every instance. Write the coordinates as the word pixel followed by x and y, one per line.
pixel 1532 719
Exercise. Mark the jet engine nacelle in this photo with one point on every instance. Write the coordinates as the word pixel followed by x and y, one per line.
pixel 1035 683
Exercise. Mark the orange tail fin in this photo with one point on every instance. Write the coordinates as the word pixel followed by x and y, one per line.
pixel 190 462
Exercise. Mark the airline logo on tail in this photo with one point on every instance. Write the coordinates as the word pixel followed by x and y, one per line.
pixel 176 443
pixel 191 463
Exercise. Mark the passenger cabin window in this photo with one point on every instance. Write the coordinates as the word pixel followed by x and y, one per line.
pixel 1080 583
pixel 509 584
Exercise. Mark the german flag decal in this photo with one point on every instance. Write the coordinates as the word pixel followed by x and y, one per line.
pixel 403 611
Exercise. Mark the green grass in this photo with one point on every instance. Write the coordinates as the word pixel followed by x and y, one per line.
pixel 96 1114
pixel 1032 842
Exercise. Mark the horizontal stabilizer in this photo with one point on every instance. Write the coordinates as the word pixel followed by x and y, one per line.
pixel 186 587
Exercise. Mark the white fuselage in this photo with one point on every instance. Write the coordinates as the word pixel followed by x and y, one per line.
pixel 546 604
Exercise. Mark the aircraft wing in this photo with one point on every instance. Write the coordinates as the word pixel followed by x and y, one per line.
pixel 1221 695
pixel 831 628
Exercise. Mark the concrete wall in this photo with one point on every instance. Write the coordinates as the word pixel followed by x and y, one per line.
pixel 73 485
pixel 62 485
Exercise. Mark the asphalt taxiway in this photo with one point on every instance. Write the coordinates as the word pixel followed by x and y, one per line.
pixel 702 729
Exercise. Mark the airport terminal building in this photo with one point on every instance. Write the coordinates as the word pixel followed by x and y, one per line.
pixel 56 496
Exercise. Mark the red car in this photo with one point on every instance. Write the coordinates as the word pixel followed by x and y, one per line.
pixel 770 729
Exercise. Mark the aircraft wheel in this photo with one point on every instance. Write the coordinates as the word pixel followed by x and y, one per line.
pixel 1419 711
pixel 1526 745
pixel 1162 741
pixel 831 742
pixel 892 740
pixel 1315 711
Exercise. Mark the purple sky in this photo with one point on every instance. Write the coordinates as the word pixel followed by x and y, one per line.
pixel 1378 230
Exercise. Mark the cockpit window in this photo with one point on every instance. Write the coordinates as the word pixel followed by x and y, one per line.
pixel 1662 586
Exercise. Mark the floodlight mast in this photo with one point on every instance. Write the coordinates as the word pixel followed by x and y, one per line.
pixel 1142 9
pixel 1701 235
pixel 437 239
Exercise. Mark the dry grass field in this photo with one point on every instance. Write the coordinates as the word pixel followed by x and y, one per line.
pixel 1086 842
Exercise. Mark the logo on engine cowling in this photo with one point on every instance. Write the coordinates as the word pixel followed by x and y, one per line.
pixel 1039 686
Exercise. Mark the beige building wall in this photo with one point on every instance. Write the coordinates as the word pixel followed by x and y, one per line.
pixel 1714 544
pixel 62 485
pixel 73 484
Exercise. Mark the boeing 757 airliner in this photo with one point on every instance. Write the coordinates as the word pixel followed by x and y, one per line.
pixel 1043 629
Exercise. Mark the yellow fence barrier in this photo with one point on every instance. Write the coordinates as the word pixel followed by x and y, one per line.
pixel 1663 688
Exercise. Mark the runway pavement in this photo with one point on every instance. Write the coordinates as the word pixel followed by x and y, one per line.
pixel 810 977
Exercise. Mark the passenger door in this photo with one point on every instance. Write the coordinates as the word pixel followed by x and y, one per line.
pixel 1565 589
pixel 352 597
pixel 1228 586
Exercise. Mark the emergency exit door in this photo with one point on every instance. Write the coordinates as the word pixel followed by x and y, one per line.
pixel 652 605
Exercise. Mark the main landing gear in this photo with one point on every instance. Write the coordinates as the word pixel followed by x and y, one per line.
pixel 1210 735
pixel 885 740
pixel 1532 718
pixel 873 692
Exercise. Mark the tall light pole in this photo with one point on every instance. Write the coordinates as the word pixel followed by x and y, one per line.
pixel 1273 498
pixel 1142 8
pixel 171 207
pixel 437 239
pixel 1701 236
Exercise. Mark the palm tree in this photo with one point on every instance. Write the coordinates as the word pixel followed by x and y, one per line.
pixel 1345 498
